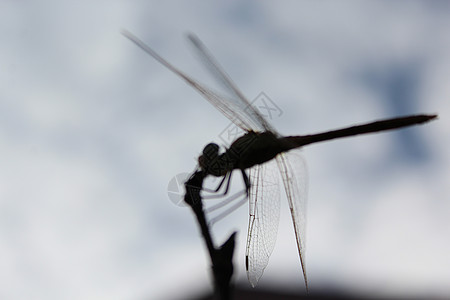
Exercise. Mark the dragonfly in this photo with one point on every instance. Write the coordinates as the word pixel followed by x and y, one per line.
pixel 258 150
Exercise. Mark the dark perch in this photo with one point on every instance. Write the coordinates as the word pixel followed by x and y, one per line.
pixel 221 258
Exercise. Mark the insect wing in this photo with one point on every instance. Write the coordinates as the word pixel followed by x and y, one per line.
pixel 264 205
pixel 231 103
pixel 293 171
pixel 233 97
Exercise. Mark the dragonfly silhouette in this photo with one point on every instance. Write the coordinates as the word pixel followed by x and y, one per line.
pixel 255 150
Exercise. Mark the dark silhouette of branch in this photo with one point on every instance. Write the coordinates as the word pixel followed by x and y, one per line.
pixel 222 257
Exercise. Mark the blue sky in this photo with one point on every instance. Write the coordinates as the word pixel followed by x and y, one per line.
pixel 92 130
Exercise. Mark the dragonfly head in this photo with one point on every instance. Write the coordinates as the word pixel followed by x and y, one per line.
pixel 209 156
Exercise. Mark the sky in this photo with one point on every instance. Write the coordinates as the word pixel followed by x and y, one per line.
pixel 92 130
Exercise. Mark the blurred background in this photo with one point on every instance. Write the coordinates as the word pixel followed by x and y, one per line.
pixel 92 130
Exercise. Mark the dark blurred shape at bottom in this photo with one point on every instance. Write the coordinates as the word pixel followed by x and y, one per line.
pixel 242 292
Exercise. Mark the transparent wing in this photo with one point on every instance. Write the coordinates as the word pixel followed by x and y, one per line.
pixel 264 204
pixel 241 107
pixel 294 174
pixel 231 109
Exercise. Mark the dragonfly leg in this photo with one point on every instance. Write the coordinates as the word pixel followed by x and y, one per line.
pixel 228 183
pixel 246 181
pixel 213 191
pixel 227 177
pixel 221 183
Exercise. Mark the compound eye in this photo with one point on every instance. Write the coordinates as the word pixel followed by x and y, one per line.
pixel 211 151
pixel 209 156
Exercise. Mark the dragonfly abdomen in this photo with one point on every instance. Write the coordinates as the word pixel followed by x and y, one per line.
pixel 373 127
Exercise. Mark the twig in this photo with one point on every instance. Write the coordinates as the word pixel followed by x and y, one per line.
pixel 221 258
